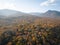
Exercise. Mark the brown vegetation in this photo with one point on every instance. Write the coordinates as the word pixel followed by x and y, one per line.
pixel 40 31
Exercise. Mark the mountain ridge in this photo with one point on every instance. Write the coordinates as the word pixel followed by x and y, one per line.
pixel 49 13
pixel 14 13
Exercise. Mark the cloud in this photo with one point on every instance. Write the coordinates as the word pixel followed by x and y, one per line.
pixel 47 3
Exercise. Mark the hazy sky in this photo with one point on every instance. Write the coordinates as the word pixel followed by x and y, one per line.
pixel 30 5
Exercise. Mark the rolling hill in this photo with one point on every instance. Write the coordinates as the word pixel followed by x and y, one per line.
pixel 8 17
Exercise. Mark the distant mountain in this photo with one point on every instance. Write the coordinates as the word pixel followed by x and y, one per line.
pixel 13 13
pixel 49 13
pixel 35 13
pixel 7 12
